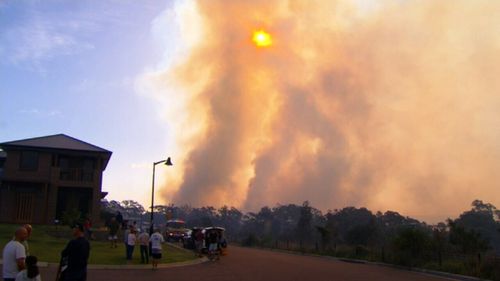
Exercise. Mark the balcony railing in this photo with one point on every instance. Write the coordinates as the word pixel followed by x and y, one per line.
pixel 79 175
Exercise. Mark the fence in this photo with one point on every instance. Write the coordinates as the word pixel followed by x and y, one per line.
pixel 483 265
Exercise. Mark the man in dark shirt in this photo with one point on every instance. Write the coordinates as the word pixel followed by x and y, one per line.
pixel 77 254
pixel 119 219
pixel 113 232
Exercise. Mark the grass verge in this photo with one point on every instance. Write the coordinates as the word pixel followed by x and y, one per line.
pixel 47 247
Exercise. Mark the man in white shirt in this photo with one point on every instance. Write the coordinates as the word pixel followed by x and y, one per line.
pixel 156 241
pixel 14 255
pixel 29 229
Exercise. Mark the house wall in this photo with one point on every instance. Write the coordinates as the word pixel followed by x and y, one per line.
pixel 44 184
pixel 12 171
pixel 22 202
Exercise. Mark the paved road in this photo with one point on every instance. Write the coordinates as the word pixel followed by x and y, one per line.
pixel 242 264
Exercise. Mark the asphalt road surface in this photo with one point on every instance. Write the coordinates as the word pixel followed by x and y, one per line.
pixel 242 264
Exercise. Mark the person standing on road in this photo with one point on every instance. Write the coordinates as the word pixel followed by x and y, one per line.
pixel 213 242
pixel 76 254
pixel 14 255
pixel 156 241
pixel 144 244
pixel 198 242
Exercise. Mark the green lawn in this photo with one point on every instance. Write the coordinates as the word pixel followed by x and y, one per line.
pixel 48 248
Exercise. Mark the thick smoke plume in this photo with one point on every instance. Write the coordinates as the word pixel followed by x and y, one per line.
pixel 384 104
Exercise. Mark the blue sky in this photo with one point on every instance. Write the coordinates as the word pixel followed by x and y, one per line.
pixel 71 66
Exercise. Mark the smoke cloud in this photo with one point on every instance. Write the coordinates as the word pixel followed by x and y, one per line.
pixel 384 104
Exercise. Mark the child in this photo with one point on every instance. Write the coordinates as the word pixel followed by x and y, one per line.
pixel 31 272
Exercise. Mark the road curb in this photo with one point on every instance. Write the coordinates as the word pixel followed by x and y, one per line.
pixel 129 266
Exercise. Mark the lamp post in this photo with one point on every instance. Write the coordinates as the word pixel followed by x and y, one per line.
pixel 167 162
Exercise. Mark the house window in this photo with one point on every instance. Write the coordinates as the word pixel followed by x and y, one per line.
pixel 29 161
pixel 77 168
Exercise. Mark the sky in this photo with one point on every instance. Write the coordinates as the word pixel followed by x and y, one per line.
pixel 389 105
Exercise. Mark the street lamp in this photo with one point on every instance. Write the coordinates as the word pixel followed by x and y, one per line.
pixel 167 162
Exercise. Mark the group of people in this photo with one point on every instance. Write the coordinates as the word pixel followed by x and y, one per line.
pixel 212 238
pixel 20 265
pixel 149 245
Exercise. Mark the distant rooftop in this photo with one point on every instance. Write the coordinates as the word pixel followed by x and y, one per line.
pixel 60 141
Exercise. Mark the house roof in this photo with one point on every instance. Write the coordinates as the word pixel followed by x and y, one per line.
pixel 60 141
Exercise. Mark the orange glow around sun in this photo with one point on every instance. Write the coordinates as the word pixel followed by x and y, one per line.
pixel 262 38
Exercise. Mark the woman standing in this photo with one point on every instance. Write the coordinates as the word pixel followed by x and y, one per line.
pixel 131 241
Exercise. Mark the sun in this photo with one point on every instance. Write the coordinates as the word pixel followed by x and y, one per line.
pixel 262 38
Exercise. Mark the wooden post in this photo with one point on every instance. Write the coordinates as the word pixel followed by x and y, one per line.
pixel 440 259
pixel 479 264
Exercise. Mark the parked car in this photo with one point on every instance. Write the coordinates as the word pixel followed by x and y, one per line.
pixel 222 241
pixel 188 241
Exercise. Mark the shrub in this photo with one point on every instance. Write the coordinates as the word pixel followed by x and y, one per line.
pixel 250 241
pixel 70 217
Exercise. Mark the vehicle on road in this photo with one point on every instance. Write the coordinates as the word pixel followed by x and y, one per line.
pixel 216 234
pixel 175 230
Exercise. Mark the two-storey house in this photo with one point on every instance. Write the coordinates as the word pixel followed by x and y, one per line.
pixel 43 177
